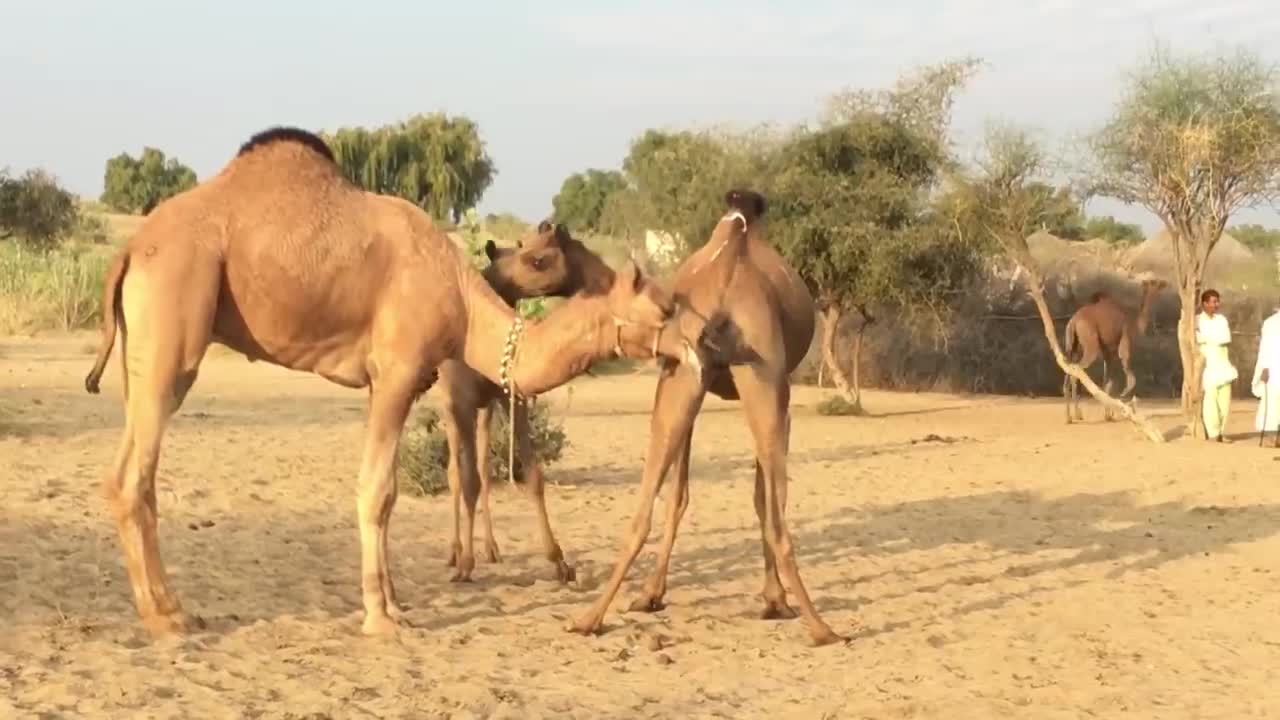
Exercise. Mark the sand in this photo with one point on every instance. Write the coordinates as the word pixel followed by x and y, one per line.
pixel 987 560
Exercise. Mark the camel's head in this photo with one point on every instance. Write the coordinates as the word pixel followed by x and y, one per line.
pixel 536 267
pixel 647 323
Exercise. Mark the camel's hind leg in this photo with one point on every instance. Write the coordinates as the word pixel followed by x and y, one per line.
pixel 1088 356
pixel 168 307
pixel 655 587
pixel 484 421
pixel 464 484
pixel 765 402
pixel 676 404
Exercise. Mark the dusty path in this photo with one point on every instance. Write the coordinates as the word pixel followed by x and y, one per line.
pixel 1014 568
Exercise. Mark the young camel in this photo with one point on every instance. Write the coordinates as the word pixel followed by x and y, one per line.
pixel 1104 329
pixel 279 257
pixel 551 263
pixel 770 322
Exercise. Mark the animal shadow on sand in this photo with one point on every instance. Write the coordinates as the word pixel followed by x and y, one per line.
pixel 1014 529
pixel 731 466
pixel 244 567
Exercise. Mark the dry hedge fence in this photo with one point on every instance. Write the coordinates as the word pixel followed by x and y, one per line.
pixel 994 342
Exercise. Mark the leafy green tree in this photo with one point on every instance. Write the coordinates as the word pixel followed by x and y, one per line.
pixel 436 162
pixel 35 209
pixel 1059 212
pixel 1193 139
pixel 849 205
pixel 676 183
pixel 1113 231
pixel 1256 237
pixel 582 197
pixel 137 185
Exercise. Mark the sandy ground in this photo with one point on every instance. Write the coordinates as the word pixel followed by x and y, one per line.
pixel 1014 568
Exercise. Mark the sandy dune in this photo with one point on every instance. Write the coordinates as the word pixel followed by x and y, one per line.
pixel 1008 566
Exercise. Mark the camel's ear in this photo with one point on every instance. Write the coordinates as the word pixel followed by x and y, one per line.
pixel 630 276
pixel 561 235
pixel 490 250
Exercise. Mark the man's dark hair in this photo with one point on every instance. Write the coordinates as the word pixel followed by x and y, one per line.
pixel 1210 293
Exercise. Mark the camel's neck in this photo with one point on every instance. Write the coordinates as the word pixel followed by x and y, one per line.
pixel 590 274
pixel 549 352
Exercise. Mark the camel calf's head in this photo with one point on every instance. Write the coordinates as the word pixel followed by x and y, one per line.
pixel 535 267
pixel 645 313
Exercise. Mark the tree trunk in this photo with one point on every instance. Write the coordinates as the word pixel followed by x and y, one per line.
pixel 1036 289
pixel 1192 362
pixel 831 316
pixel 867 319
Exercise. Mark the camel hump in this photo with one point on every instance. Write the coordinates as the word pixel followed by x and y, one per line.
pixel 285 134
pixel 749 203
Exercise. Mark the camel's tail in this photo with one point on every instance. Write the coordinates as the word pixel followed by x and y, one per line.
pixel 1069 342
pixel 111 319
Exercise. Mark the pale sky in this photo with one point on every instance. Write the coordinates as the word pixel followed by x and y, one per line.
pixel 557 89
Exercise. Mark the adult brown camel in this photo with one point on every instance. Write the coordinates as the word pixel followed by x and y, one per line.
pixel 279 257
pixel 1105 329
pixel 550 263
pixel 769 314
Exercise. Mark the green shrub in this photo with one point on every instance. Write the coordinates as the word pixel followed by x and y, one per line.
pixel 424 448
pixel 837 405
pixel 35 209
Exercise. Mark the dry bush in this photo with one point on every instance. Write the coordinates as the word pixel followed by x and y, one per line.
pixel 423 454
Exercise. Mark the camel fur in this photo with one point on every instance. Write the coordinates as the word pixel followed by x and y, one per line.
pixel 768 315
pixel 1105 329
pixel 281 258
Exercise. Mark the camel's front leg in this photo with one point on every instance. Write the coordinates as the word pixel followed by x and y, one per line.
pixel 388 407
pixel 535 485
pixel 675 406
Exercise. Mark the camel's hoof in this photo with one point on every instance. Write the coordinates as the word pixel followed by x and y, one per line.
pixel 491 553
pixel 778 611
pixel 565 573
pixel 380 626
pixel 177 623
pixel 461 577
pixel 395 611
pixel 827 636
pixel 648 604
pixel 585 626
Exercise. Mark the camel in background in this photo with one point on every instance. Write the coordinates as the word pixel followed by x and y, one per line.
pixel 767 315
pixel 551 263
pixel 279 257
pixel 1104 329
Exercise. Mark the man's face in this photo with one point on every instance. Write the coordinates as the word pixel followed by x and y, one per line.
pixel 1211 304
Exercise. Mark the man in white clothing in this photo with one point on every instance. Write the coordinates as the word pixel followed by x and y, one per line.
pixel 1268 416
pixel 1213 335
